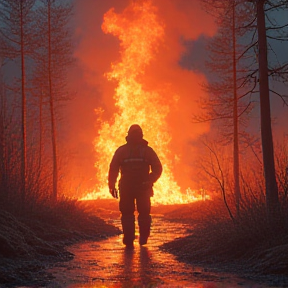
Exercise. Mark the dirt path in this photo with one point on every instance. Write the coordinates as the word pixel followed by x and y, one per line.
pixel 109 264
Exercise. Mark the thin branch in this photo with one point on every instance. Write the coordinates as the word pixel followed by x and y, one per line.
pixel 285 102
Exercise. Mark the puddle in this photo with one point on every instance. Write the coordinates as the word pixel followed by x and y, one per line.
pixel 109 264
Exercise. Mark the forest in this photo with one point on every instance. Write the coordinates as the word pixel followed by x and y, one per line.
pixel 242 171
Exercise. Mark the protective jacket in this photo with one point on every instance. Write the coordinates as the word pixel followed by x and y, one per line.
pixel 138 165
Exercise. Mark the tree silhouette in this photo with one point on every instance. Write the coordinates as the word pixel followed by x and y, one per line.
pixel 16 31
pixel 226 103
pixel 253 73
pixel 53 59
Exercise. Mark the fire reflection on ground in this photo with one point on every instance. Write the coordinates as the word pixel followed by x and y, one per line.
pixel 109 264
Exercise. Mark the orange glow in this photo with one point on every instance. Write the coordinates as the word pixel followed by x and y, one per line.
pixel 141 33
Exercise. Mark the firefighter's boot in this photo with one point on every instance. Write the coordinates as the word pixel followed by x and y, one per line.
pixel 144 223
pixel 128 226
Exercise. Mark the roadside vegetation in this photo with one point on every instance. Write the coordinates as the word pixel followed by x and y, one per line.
pixel 37 221
pixel 244 241
pixel 245 226
pixel 32 239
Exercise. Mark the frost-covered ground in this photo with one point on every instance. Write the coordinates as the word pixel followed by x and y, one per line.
pixel 265 261
pixel 31 247
pixel 108 264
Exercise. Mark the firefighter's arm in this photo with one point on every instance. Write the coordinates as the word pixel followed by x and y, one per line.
pixel 156 167
pixel 113 175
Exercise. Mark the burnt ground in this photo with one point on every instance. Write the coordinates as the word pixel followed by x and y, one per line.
pixel 30 246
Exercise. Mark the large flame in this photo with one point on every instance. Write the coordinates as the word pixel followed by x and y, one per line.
pixel 140 32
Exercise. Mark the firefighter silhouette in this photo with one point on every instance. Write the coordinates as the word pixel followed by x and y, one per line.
pixel 139 168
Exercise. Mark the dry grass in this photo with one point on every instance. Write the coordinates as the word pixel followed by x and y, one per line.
pixel 32 240
pixel 249 243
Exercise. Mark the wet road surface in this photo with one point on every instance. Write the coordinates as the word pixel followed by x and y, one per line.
pixel 109 264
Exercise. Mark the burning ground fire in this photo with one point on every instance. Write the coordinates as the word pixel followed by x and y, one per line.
pixel 140 32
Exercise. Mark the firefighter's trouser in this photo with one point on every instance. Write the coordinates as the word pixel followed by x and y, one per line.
pixel 127 208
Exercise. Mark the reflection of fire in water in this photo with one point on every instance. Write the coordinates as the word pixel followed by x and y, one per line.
pixel 140 32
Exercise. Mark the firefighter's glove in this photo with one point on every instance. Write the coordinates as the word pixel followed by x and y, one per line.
pixel 114 192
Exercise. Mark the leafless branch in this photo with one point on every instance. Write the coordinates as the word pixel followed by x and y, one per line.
pixel 283 97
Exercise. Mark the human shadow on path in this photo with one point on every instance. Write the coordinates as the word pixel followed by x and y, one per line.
pixel 137 267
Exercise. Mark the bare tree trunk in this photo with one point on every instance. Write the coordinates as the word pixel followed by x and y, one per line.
pixel 2 137
pixel 23 122
pixel 52 108
pixel 272 200
pixel 41 128
pixel 235 120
